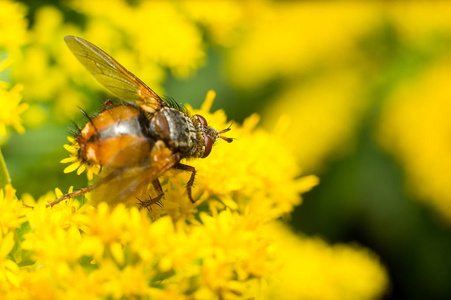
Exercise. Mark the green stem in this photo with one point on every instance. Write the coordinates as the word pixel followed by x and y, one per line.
pixel 4 175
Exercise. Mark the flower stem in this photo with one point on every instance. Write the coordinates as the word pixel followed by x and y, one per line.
pixel 4 175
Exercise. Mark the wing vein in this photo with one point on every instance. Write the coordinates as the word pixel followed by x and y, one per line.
pixel 112 75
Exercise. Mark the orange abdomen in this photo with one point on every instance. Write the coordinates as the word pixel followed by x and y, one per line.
pixel 115 138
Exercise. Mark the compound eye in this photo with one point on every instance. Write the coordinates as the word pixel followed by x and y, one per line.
pixel 208 146
pixel 201 120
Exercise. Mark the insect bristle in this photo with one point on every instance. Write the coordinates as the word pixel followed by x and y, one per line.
pixel 74 130
pixel 89 119
pixel 174 104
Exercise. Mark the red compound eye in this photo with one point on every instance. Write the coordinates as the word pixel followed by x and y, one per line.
pixel 208 145
pixel 208 139
pixel 201 120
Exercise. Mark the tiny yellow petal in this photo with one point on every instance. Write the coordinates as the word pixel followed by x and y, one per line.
pixel 90 174
pixel 69 159
pixel 306 183
pixel 11 272
pixel 58 193
pixel 206 106
pixel 7 245
pixel 117 252
pixel 251 122
pixel 69 148
pixel 81 169
pixel 72 167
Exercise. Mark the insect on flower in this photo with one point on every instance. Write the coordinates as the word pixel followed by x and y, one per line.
pixel 135 143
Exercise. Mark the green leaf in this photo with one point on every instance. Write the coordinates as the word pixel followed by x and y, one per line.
pixel 4 175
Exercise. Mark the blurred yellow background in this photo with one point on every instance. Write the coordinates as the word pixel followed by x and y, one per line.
pixel 358 91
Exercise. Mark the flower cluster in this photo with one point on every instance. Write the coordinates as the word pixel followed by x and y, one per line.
pixel 10 99
pixel 13 27
pixel 225 246
pixel 323 57
pixel 420 144
pixel 12 215
pixel 356 57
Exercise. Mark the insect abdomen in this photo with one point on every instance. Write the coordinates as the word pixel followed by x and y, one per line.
pixel 115 138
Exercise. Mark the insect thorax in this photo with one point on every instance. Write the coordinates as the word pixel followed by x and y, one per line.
pixel 178 131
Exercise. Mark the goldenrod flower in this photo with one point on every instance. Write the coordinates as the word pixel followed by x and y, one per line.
pixel 10 104
pixel 312 269
pixel 76 163
pixel 12 212
pixel 13 25
pixel 8 269
pixel 325 120
pixel 224 246
pixel 12 215
pixel 301 34
pixel 121 253
pixel 421 144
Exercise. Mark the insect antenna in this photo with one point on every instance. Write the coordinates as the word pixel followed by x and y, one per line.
pixel 227 139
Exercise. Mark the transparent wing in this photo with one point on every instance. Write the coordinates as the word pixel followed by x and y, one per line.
pixel 129 183
pixel 113 75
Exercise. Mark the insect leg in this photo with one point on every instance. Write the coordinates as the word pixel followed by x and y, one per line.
pixel 190 183
pixel 73 194
pixel 85 189
pixel 157 200
pixel 157 186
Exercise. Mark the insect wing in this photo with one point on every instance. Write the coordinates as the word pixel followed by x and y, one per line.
pixel 128 184
pixel 113 75
pixel 123 185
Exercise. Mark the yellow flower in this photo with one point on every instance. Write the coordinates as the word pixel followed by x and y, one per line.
pixel 179 45
pixel 8 269
pixel 262 185
pixel 10 103
pixel 311 269
pixel 13 25
pixel 221 19
pixel 12 215
pixel 216 248
pixel 415 126
pixel 179 48
pixel 213 255
pixel 316 123
pixel 76 163
pixel 289 38
pixel 12 211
